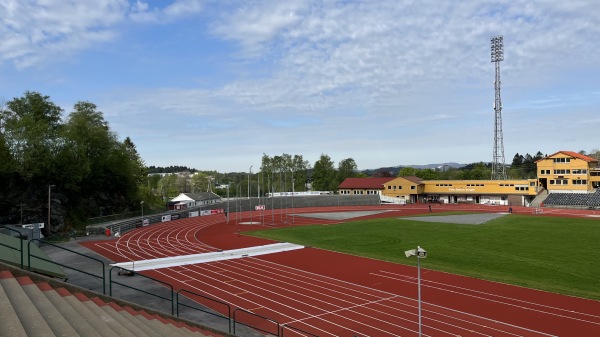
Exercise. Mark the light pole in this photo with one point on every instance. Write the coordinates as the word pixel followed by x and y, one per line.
pixel 142 203
pixel 229 183
pixel 420 253
pixel 249 173
pixel 49 193
pixel 249 190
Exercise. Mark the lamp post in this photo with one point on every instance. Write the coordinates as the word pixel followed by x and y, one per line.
pixel 420 253
pixel 49 193
pixel 229 183
pixel 249 173
pixel 249 190
pixel 142 203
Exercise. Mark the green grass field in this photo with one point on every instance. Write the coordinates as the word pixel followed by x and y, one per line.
pixel 560 255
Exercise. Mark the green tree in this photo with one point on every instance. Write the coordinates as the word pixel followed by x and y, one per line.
pixel 347 168
pixel 31 124
pixel 407 172
pixel 324 174
pixel 427 174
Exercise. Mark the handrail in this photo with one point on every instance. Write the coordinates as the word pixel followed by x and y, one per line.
pixel 29 255
pixel 20 239
pixel 228 317
pixel 110 283
pixel 297 330
pixel 254 327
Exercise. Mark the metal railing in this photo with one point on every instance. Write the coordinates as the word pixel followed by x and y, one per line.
pixel 20 240
pixel 178 303
pixel 110 283
pixel 29 256
pixel 266 319
pixel 297 330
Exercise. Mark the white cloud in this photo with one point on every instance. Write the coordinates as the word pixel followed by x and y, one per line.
pixel 142 12
pixel 41 30
pixel 355 73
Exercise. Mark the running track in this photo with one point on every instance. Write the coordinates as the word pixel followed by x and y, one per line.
pixel 333 294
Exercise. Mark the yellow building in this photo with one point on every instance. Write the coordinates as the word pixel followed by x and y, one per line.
pixel 561 172
pixel 568 172
pixel 492 192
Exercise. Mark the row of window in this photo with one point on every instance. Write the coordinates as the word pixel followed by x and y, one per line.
pixel 359 192
pixel 561 160
pixel 566 182
pixel 574 171
pixel 390 187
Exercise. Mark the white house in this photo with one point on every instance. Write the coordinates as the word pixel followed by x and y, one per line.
pixel 189 200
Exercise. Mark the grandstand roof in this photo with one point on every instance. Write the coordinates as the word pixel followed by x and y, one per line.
pixel 364 183
pixel 572 154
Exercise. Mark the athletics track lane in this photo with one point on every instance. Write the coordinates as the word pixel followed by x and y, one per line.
pixel 337 294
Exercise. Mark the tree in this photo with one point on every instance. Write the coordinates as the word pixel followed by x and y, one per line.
pixel 324 174
pixel 31 124
pixel 346 169
pixel 407 172
pixel 427 174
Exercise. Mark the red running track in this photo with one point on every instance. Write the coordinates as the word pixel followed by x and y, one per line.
pixel 334 294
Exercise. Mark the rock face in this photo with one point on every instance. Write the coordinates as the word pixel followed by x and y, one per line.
pixel 30 208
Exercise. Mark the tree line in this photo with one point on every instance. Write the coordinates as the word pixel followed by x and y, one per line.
pixel 79 164
pixel 86 171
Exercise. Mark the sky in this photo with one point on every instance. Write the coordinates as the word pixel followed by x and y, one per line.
pixel 214 85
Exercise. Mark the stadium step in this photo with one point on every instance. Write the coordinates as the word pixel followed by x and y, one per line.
pixel 41 309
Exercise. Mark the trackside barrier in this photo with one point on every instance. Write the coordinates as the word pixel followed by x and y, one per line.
pixel 300 331
pixel 254 327
pixel 110 283
pixel 178 303
pixel 13 248
pixel 29 256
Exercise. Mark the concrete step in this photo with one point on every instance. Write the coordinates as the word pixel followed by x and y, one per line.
pixel 102 315
pixel 27 313
pixel 49 313
pixel 98 323
pixel 142 325
pixel 11 326
pixel 44 309
pixel 77 321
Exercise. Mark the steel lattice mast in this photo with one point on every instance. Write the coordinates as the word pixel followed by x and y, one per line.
pixel 498 165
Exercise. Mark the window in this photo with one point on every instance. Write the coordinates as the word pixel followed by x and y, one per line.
pixel 579 171
pixel 413 187
pixel 543 172
pixel 579 182
pixel 562 171
pixel 561 160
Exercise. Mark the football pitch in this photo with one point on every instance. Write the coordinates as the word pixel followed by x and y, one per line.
pixel 560 255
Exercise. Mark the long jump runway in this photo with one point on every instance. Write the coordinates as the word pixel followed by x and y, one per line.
pixel 332 294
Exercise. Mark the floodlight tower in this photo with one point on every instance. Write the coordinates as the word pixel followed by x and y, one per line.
pixel 498 165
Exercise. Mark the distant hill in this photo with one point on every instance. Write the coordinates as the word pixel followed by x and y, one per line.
pixel 393 171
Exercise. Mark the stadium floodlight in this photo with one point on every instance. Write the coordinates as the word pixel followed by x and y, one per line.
pixel 420 253
pixel 497 48
pixel 498 163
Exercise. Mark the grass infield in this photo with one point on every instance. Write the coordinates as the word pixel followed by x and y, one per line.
pixel 560 255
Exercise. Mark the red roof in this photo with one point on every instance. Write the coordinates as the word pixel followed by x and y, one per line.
pixel 364 183
pixel 413 179
pixel 572 154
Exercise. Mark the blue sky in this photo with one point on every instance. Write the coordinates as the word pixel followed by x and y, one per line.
pixel 215 84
